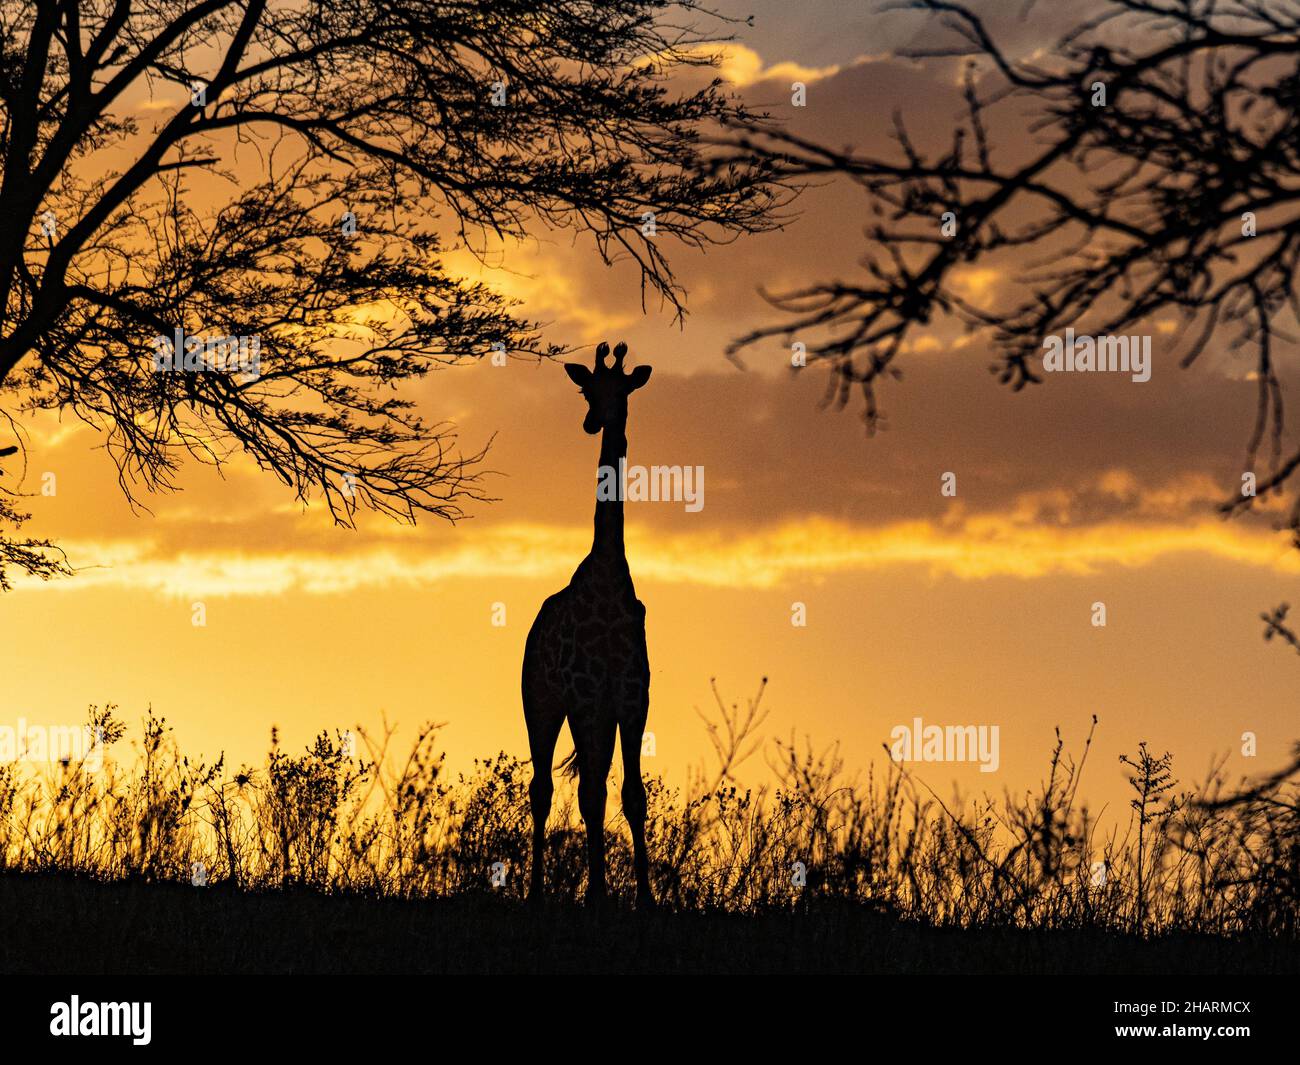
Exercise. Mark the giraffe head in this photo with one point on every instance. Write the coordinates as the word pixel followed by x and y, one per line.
pixel 606 388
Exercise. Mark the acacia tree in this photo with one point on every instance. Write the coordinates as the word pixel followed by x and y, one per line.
pixel 310 165
pixel 1153 167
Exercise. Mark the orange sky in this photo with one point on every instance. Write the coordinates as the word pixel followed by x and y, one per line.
pixel 973 610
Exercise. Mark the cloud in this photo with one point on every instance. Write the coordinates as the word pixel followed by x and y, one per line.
pixel 743 66
pixel 551 282
pixel 1074 452
pixel 961 546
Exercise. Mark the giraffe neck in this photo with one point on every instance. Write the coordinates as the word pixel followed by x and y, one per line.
pixel 609 512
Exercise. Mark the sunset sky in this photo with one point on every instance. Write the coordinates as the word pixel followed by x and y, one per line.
pixel 967 610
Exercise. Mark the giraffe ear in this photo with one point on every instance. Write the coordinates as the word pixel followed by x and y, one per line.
pixel 637 378
pixel 578 374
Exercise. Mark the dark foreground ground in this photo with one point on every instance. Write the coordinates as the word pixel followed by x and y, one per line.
pixel 61 925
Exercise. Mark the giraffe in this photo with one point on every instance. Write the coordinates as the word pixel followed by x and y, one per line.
pixel 585 657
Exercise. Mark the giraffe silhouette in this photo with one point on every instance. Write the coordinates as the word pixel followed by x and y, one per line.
pixel 585 657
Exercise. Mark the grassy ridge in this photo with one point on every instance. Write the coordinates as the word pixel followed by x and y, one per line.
pixel 60 924
pixel 820 869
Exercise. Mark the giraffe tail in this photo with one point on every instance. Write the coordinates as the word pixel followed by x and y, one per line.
pixel 569 767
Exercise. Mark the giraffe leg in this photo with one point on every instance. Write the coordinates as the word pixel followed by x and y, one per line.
pixel 595 756
pixel 543 730
pixel 634 812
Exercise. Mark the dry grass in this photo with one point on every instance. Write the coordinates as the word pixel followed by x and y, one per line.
pixel 335 819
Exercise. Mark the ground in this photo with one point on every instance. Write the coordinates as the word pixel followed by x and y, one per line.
pixel 56 924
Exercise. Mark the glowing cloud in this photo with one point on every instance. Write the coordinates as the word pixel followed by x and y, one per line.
pixel 965 547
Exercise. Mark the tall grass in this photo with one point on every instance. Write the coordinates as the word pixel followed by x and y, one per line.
pixel 354 816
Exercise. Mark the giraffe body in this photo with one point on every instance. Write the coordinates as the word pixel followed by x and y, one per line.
pixel 585 660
